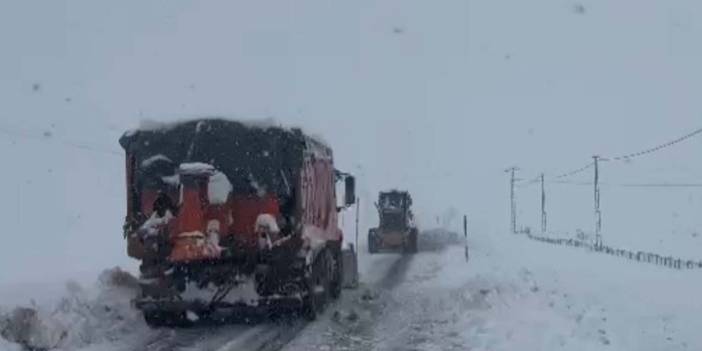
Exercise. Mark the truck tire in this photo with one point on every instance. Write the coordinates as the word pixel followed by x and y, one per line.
pixel 372 242
pixel 154 319
pixel 337 266
pixel 317 286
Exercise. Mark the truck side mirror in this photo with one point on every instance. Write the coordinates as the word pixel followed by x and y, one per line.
pixel 349 190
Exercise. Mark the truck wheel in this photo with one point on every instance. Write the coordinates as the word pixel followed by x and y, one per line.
pixel 337 280
pixel 154 319
pixel 317 288
pixel 372 244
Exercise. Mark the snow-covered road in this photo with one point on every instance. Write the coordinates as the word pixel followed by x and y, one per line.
pixel 513 294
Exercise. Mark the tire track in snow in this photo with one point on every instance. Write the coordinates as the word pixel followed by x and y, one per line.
pixel 251 339
pixel 267 336
pixel 189 338
pixel 351 322
pixel 261 337
pixel 396 274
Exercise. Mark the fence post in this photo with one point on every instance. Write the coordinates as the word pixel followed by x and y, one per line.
pixel 465 235
pixel 598 214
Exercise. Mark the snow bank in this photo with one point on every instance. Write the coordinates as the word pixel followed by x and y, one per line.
pixel 438 239
pixel 79 319
pixel 8 346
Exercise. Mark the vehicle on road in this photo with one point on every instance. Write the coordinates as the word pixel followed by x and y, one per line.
pixel 397 230
pixel 227 216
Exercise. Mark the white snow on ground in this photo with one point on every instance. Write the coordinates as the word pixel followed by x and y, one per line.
pixel 515 294
pixel 7 346
pixel 563 298
pixel 512 294
pixel 84 319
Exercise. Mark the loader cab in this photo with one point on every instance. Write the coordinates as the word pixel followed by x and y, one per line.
pixel 394 210
pixel 397 229
pixel 394 201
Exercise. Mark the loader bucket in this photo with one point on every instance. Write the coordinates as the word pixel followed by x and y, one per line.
pixel 350 266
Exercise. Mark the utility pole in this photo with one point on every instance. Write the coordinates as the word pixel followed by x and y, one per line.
pixel 513 201
pixel 598 214
pixel 465 226
pixel 358 207
pixel 543 205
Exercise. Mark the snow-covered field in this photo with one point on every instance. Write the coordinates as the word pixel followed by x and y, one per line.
pixel 434 97
pixel 515 294
pixel 512 294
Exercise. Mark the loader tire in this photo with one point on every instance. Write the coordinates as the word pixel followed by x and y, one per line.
pixel 372 242
pixel 317 286
pixel 412 246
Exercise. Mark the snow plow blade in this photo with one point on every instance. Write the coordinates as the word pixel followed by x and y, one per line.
pixel 350 266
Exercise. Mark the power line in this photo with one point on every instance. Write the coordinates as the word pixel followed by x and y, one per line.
pixel 623 157
pixel 661 185
pixel 656 148
pixel 568 182
pixel 559 179
pixel 633 185
pixel 524 184
pixel 537 179
pixel 575 171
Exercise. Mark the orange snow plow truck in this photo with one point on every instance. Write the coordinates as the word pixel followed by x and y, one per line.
pixel 227 216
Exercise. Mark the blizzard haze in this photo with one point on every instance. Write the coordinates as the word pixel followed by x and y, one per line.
pixel 434 97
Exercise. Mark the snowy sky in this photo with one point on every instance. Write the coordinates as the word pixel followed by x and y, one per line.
pixel 437 97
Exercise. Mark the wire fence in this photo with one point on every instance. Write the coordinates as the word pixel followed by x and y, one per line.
pixel 637 256
pixel 598 246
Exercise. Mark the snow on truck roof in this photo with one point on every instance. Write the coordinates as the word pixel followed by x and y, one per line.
pixel 395 191
pixel 149 125
pixel 248 153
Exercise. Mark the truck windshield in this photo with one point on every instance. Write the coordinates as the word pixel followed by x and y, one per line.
pixel 392 201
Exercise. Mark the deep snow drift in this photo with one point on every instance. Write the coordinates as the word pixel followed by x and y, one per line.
pixel 85 317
